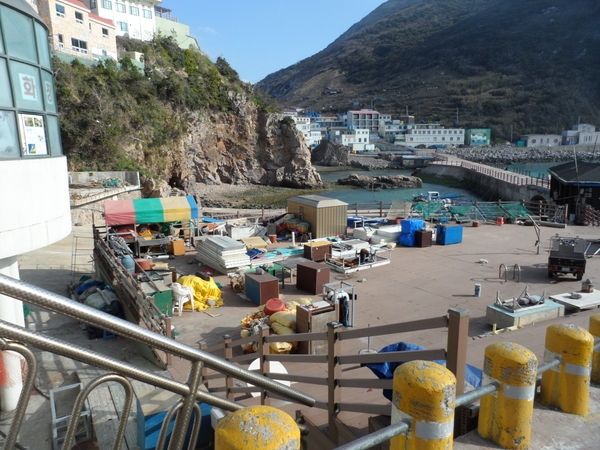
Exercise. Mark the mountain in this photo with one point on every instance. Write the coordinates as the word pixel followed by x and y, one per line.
pixel 512 65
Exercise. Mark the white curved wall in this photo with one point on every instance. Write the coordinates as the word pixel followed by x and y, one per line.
pixel 34 204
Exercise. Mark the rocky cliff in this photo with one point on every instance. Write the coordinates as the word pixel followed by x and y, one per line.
pixel 243 146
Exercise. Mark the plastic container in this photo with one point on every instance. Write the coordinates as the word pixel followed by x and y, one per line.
pixel 142 263
pixel 500 221
pixel 273 238
pixel 477 290
pixel 274 305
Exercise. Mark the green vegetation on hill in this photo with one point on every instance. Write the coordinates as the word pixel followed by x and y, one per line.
pixel 113 116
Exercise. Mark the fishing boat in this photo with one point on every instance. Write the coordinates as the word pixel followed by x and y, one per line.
pixel 435 196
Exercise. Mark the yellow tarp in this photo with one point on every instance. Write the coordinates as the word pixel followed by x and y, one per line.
pixel 203 292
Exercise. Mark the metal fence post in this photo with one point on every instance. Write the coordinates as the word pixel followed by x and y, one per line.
pixel 228 354
pixel 263 349
pixel 334 370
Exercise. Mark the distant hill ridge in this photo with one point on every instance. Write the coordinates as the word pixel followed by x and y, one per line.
pixel 522 66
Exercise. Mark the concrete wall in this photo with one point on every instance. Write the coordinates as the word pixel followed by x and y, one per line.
pixel 37 213
pixel 488 186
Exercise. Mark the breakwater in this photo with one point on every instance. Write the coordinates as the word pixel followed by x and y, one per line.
pixel 509 154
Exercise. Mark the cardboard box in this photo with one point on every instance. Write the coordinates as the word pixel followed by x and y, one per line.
pixel 178 247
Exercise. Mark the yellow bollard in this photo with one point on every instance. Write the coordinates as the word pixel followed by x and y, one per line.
pixel 567 386
pixel 595 331
pixel 257 427
pixel 424 392
pixel 505 416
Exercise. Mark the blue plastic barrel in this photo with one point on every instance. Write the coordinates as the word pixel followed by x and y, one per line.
pixel 128 263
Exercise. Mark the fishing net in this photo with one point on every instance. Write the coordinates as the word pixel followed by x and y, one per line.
pixel 516 210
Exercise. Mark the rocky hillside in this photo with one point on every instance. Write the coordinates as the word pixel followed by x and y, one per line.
pixel 181 121
pixel 515 66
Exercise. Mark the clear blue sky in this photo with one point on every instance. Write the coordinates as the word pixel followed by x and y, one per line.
pixel 259 37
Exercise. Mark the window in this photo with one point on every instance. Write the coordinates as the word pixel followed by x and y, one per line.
pixel 93 4
pixel 61 41
pixel 60 10
pixel 122 25
pixel 105 32
pixel 78 46
pixel 120 7
pixel 147 14
pixel 106 4
pixel 79 18
pixel 134 10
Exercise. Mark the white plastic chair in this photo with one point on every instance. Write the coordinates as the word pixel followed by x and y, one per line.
pixel 181 296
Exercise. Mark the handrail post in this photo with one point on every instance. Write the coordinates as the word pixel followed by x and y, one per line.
pixel 227 355
pixel 169 334
pixel 505 416
pixel 505 272
pixel 203 346
pixel 263 365
pixel 458 336
pixel 380 209
pixel 517 273
pixel 334 371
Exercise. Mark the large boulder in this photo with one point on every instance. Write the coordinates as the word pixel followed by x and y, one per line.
pixel 329 153
pixel 381 182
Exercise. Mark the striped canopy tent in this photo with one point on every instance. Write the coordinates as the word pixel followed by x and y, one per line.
pixel 150 210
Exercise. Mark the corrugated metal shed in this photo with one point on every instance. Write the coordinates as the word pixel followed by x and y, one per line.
pixel 326 216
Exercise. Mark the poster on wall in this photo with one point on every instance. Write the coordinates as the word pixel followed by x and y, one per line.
pixel 33 134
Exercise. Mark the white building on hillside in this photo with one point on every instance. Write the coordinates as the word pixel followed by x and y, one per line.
pixel 355 139
pixel 364 118
pixel 133 19
pixel 406 132
pixel 583 134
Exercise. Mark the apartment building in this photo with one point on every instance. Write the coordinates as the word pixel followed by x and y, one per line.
pixel 406 132
pixel 75 30
pixel 364 118
pixel 168 25
pixel 133 19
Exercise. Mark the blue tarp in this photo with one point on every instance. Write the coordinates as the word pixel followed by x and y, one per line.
pixel 407 239
pixel 385 371
pixel 411 225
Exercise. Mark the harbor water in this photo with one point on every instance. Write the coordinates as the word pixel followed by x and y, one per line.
pixel 359 195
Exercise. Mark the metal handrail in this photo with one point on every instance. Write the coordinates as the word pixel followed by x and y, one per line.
pixel 53 302
pixel 80 401
pixel 505 272
pixel 11 438
pixel 517 273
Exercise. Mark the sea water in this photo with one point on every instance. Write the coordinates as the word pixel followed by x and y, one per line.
pixel 360 195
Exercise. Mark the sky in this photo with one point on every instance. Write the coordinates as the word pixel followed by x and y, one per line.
pixel 259 37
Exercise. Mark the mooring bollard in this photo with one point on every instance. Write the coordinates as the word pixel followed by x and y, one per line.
pixel 424 392
pixel 567 386
pixel 595 332
pixel 505 416
pixel 260 427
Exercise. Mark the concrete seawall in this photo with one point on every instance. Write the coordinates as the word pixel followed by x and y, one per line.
pixel 496 184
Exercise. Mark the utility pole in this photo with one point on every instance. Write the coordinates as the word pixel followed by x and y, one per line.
pixel 457 122
pixel 511 135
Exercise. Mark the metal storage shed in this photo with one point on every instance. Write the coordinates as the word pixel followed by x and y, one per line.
pixel 326 216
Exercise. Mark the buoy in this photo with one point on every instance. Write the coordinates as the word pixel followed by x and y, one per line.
pixel 274 305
